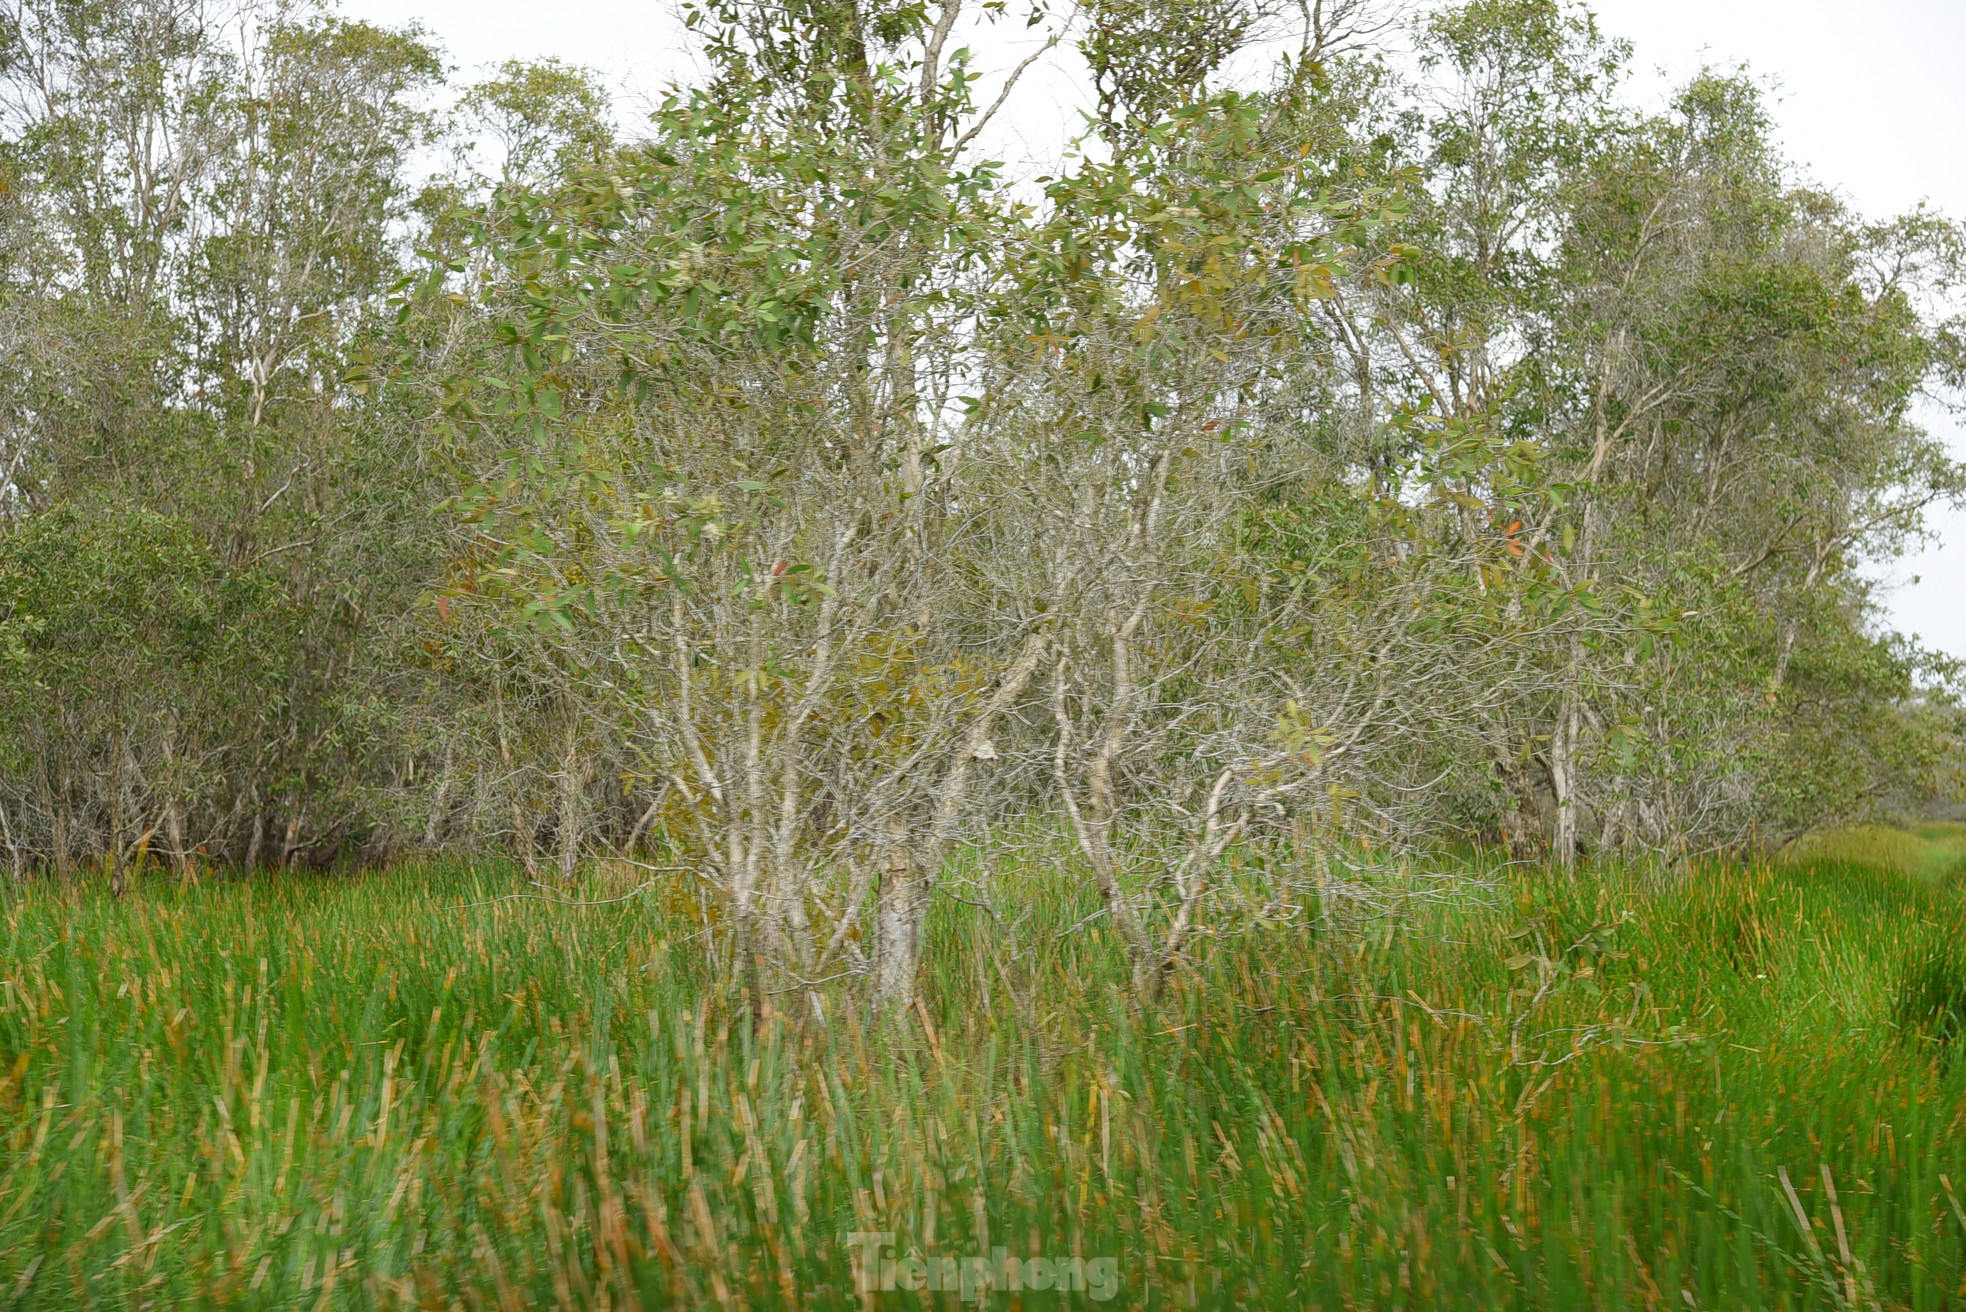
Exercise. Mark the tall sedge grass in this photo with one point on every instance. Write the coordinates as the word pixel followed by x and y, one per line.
pixel 1603 1092
pixel 1934 851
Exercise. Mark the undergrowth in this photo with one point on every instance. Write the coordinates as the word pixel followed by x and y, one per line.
pixel 1725 1091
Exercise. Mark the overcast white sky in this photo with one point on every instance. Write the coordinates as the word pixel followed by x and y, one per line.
pixel 1871 101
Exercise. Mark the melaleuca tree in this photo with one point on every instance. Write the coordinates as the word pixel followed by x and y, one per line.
pixel 1619 293
pixel 834 485
pixel 1729 381
pixel 207 221
pixel 717 515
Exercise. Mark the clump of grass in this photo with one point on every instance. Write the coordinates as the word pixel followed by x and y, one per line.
pixel 1934 851
pixel 1931 994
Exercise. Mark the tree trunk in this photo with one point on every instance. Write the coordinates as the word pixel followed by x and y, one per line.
pixel 174 811
pixel 898 921
pixel 522 835
pixel 174 830
pixel 1563 782
pixel 433 825
pixel 14 853
pixel 251 862
pixel 522 838
pixel 572 793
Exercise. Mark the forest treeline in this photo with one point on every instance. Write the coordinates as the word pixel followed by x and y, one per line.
pixel 1376 426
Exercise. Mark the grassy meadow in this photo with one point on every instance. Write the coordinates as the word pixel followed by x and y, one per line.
pixel 1729 1089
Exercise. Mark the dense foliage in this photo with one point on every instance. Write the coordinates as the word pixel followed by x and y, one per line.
pixel 1409 438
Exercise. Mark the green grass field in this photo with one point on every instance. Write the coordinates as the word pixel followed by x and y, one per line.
pixel 1731 1090
pixel 1935 853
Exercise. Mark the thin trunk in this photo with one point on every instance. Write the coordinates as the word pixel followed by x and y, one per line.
pixel 903 903
pixel 1191 879
pixel 648 816
pixel 522 836
pixel 1563 783
pixel 433 825
pixel 572 792
pixel 117 818
pixel 174 830
pixel 756 922
pixel 258 837
pixel 57 812
pixel 14 853
pixel 174 812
